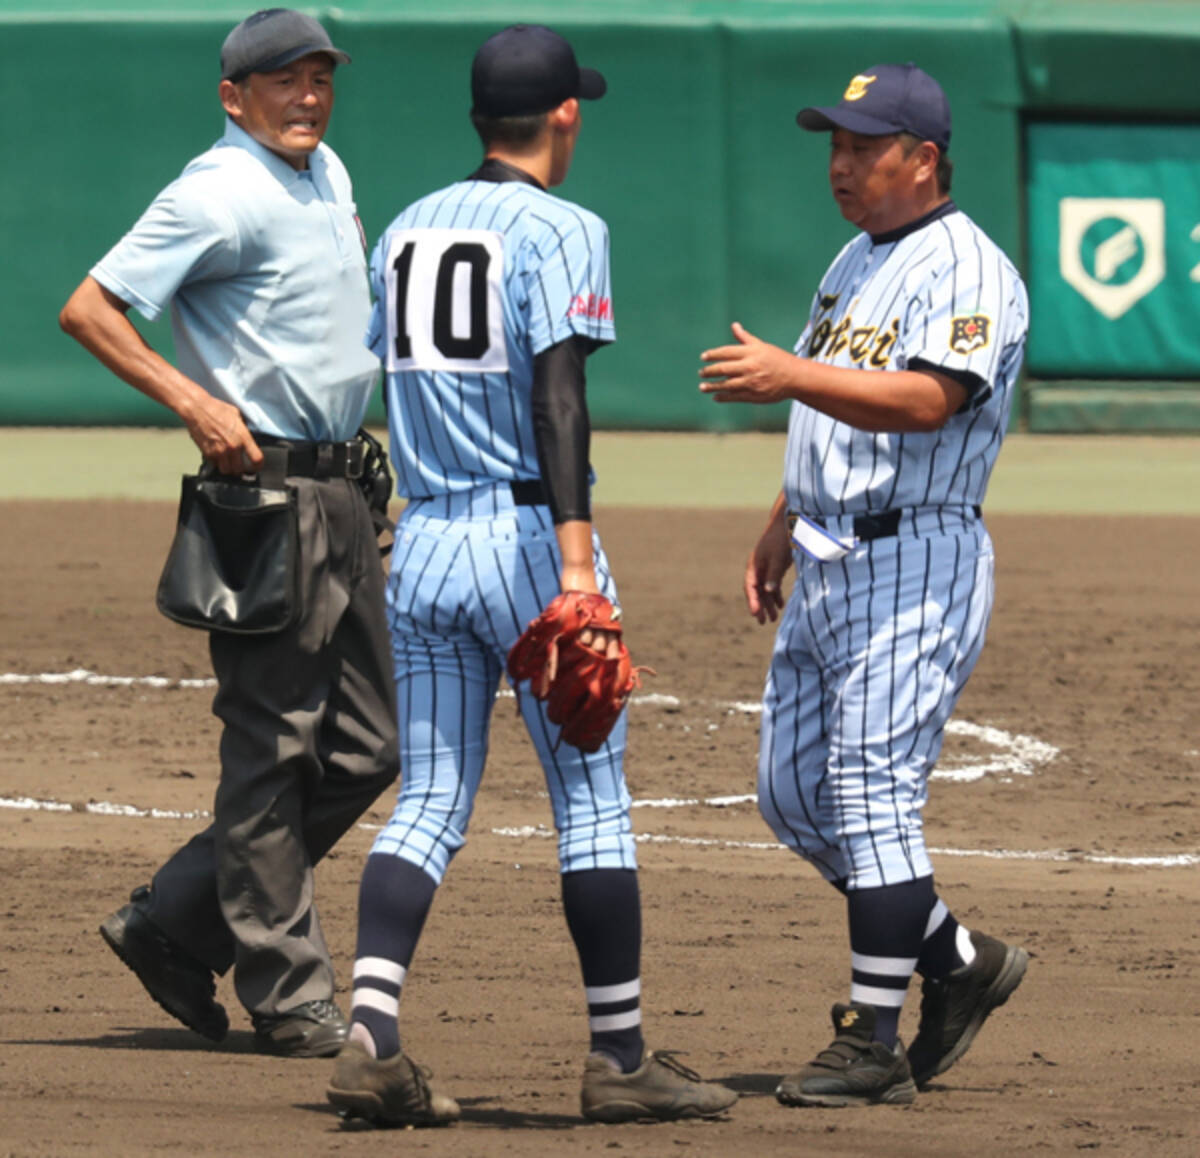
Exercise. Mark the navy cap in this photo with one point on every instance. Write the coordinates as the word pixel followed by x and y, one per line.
pixel 889 98
pixel 271 39
pixel 526 69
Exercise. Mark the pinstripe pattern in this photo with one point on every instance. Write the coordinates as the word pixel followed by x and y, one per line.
pixel 874 649
pixel 882 307
pixel 871 656
pixel 471 570
pixel 451 431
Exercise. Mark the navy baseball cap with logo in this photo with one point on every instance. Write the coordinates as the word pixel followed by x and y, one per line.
pixel 271 39
pixel 889 98
pixel 526 69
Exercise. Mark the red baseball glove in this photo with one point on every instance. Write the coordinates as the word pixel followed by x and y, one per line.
pixel 583 689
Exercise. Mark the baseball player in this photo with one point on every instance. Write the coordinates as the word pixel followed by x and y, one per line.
pixel 257 250
pixel 900 385
pixel 491 294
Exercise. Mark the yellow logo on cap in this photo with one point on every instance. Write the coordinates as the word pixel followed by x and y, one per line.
pixel 858 88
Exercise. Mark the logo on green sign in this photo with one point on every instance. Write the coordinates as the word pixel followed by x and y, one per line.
pixel 1112 249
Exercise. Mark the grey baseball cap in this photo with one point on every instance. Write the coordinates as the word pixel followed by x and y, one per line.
pixel 271 39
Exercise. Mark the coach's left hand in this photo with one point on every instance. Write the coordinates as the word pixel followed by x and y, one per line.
pixel 751 371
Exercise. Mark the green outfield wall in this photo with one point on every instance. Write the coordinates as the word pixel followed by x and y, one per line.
pixel 718 204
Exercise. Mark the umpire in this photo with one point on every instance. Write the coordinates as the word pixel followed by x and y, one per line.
pixel 257 249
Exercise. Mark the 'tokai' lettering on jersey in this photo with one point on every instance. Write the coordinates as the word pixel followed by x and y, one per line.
pixel 591 306
pixel 868 344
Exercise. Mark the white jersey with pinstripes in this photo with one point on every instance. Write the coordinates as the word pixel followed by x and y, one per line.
pixel 876 645
pixel 471 282
pixel 941 296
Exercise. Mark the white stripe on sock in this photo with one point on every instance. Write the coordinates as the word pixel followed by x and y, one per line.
pixel 874 995
pixel 375 999
pixel 380 968
pixel 964 945
pixel 937 915
pixel 883 966
pixel 608 994
pixel 611 1021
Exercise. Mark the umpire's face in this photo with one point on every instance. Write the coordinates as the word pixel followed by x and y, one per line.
pixel 287 110
pixel 875 181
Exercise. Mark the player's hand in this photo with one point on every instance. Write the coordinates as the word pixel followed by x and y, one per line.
pixel 765 569
pixel 582 577
pixel 751 371
pixel 221 434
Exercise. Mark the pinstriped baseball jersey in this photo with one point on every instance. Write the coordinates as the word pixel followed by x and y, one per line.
pixel 942 296
pixel 877 641
pixel 471 282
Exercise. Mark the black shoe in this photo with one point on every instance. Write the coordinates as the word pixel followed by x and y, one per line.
pixel 316 1029
pixel 853 1070
pixel 183 986
pixel 953 1009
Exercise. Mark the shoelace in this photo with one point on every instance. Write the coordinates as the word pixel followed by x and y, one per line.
pixel 668 1058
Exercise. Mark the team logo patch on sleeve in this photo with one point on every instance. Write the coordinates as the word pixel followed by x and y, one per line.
pixel 969 333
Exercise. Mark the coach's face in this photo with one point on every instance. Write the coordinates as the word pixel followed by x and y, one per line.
pixel 287 110
pixel 874 181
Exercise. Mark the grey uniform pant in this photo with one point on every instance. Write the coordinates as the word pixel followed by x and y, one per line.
pixel 309 742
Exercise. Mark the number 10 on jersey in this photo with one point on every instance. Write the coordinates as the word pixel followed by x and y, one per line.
pixel 445 307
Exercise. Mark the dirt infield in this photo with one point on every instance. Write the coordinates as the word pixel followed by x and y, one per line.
pixel 1090 684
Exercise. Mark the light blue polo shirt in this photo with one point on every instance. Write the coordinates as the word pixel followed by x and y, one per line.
pixel 265 272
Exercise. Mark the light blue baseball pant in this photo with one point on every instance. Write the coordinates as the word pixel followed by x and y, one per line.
pixel 469 572
pixel 872 653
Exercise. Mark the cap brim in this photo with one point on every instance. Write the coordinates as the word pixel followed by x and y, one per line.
pixel 819 120
pixel 592 86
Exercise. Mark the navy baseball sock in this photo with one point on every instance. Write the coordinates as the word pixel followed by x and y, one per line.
pixel 393 902
pixel 604 914
pixel 887 926
pixel 947 944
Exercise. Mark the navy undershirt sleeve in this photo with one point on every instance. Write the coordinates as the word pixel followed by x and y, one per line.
pixel 561 429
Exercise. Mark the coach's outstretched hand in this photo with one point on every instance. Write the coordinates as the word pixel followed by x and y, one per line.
pixel 751 371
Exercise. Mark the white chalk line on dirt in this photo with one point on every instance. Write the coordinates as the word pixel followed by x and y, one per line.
pixel 107 808
pixel 1013 755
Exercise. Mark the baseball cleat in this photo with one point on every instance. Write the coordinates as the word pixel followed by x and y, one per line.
pixel 181 985
pixel 315 1029
pixel 661 1089
pixel 393 1091
pixel 853 1070
pixel 954 1008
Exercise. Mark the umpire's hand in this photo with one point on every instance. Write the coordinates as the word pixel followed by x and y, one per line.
pixel 218 429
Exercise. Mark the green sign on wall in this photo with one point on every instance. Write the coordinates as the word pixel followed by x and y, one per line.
pixel 1114 250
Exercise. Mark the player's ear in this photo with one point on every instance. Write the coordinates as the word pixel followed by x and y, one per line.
pixel 231 97
pixel 927 154
pixel 566 115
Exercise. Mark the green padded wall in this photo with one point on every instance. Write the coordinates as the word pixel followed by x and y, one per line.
pixel 717 202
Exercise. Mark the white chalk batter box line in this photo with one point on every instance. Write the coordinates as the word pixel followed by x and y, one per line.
pixel 1023 755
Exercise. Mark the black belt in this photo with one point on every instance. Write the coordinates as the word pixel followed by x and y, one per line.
pixel 318 459
pixel 877 525
pixel 528 492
